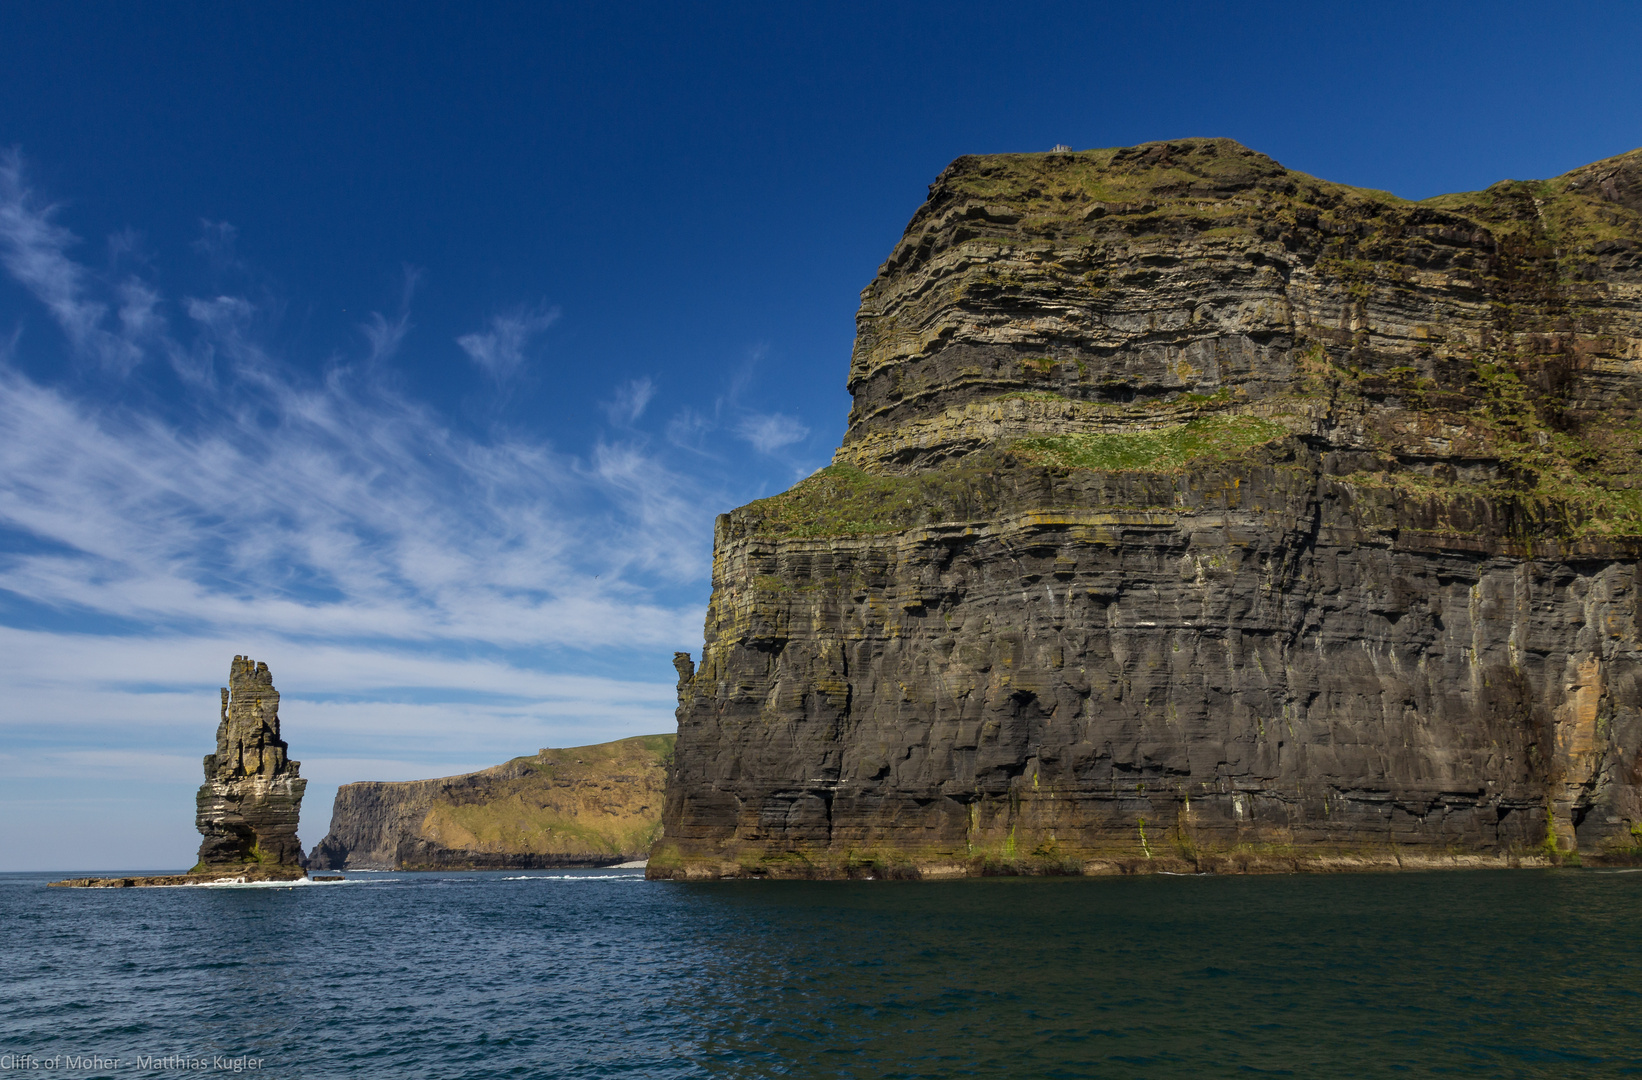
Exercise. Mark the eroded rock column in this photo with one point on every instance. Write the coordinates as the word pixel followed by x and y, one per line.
pixel 252 795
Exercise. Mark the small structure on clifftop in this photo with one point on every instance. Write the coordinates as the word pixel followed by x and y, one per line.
pixel 249 803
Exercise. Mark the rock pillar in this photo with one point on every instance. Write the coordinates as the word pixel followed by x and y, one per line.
pixel 252 795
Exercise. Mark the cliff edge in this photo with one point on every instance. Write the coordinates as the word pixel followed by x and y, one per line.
pixel 583 806
pixel 1197 514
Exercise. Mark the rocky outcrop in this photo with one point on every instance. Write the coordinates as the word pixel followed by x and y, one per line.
pixel 252 796
pixel 1197 514
pixel 584 806
pixel 242 876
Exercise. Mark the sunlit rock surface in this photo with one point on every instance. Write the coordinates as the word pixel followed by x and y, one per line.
pixel 1197 514
pixel 252 795
pixel 583 806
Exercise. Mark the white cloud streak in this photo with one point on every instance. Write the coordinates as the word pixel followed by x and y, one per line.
pixel 769 432
pixel 331 510
pixel 500 350
pixel 34 250
pixel 353 514
pixel 629 402
pixel 412 585
pixel 386 335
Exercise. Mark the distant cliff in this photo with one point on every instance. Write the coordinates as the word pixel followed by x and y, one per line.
pixel 1197 514
pixel 582 806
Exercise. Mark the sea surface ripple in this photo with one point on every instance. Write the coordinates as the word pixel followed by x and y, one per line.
pixel 601 974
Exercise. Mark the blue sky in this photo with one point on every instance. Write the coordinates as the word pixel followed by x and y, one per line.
pixel 412 349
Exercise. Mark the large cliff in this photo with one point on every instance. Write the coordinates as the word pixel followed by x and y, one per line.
pixel 247 809
pixel 583 806
pixel 1195 513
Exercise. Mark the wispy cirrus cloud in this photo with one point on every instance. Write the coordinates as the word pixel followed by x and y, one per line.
pixel 433 594
pixel 628 404
pixel 443 585
pixel 354 513
pixel 769 432
pixel 385 335
pixel 34 251
pixel 326 508
pixel 500 349
pixel 217 243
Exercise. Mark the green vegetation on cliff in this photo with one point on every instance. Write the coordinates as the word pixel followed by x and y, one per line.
pixel 1041 473
pixel 560 801
pixel 842 500
pixel 1216 186
pixel 583 805
pixel 1555 475
pixel 1208 438
pixel 1472 354
pixel 1195 514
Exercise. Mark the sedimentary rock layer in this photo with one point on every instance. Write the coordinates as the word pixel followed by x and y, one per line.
pixel 1197 514
pixel 249 805
pixel 583 806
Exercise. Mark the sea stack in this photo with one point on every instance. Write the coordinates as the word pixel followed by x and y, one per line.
pixel 1196 514
pixel 248 805
pixel 252 795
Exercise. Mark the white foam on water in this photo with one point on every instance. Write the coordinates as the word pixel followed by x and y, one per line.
pixel 577 877
pixel 241 883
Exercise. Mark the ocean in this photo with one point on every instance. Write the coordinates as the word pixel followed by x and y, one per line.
pixel 599 973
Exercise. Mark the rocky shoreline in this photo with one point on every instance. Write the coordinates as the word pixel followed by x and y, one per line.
pixel 163 880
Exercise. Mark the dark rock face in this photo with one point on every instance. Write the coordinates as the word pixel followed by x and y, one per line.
pixel 1195 514
pixel 252 795
pixel 582 806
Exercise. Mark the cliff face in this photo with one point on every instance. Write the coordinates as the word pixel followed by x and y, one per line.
pixel 247 809
pixel 1197 514
pixel 583 806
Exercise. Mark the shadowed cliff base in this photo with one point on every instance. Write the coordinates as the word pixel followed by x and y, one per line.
pixel 896 865
pixel 1197 514
pixel 582 806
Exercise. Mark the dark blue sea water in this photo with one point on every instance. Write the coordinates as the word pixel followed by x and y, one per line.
pixel 602 974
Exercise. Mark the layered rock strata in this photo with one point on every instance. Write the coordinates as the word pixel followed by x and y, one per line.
pixel 1197 514
pixel 248 807
pixel 583 806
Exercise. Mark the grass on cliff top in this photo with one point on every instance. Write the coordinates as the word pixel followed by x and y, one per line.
pixel 1119 174
pixel 565 801
pixel 839 500
pixel 1159 450
pixel 1200 180
pixel 640 751
pixel 1205 179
